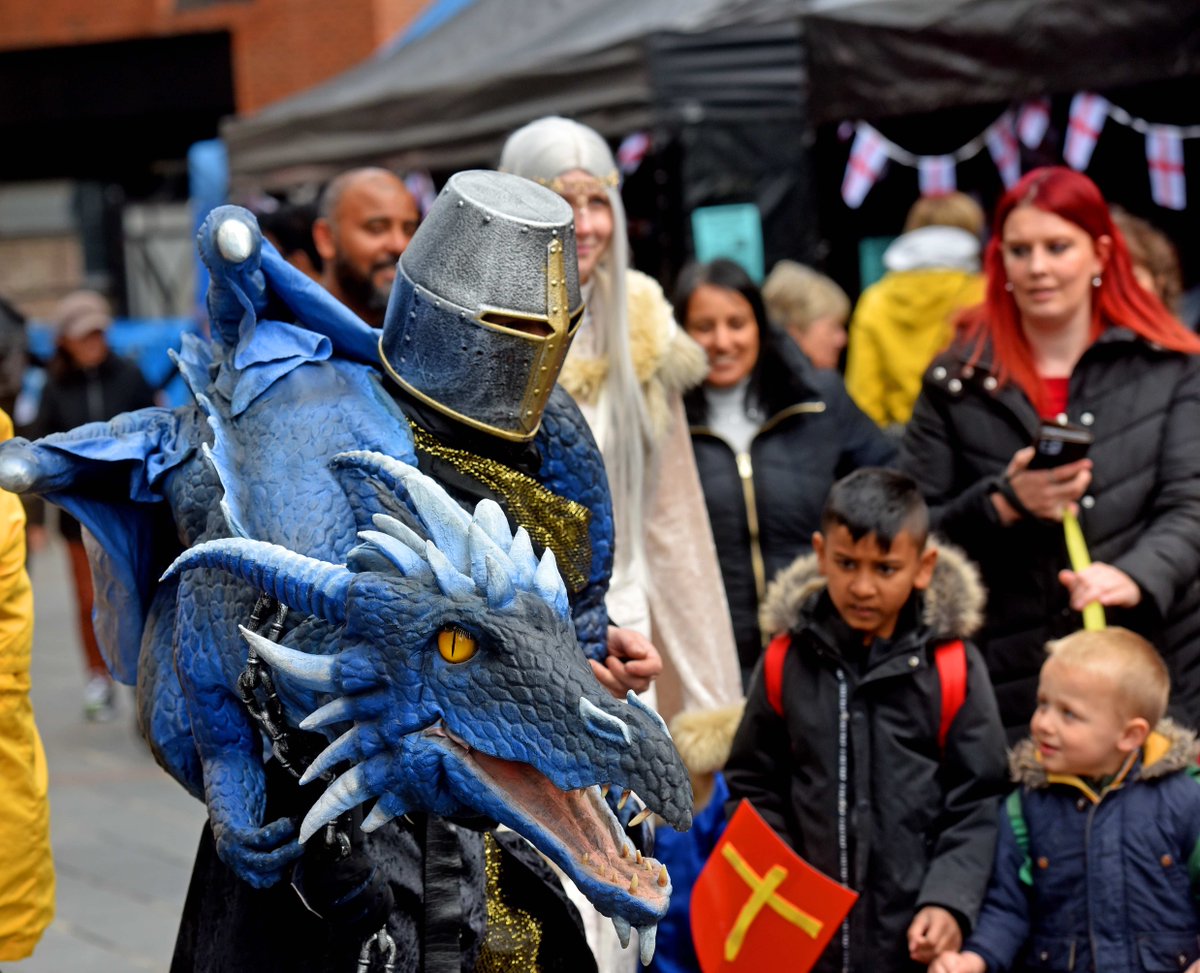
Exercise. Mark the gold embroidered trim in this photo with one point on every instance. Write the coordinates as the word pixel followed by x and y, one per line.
pixel 552 521
pixel 513 936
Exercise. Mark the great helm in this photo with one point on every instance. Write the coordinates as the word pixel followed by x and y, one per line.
pixel 485 303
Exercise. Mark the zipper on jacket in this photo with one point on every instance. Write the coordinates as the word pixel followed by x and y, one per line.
pixel 746 472
pixel 842 806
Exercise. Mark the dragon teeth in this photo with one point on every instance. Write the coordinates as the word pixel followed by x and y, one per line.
pixel 646 937
pixel 622 927
pixel 639 817
pixel 663 881
pixel 633 882
pixel 624 797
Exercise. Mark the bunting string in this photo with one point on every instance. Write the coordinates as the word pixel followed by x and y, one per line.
pixel 871 151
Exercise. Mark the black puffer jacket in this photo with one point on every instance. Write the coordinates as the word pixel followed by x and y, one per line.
pixel 919 825
pixel 1141 513
pixel 765 504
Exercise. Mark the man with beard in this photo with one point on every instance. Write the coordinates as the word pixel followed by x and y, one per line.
pixel 364 221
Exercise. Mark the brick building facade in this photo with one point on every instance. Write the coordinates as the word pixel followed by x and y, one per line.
pixel 104 99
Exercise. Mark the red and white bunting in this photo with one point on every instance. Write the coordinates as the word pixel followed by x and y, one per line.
pixel 1164 155
pixel 1033 122
pixel 868 156
pixel 936 175
pixel 1087 116
pixel 1005 152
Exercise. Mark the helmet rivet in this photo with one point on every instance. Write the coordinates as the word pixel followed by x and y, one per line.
pixel 524 229
pixel 461 203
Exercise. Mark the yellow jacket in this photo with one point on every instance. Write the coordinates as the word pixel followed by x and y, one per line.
pixel 900 323
pixel 26 865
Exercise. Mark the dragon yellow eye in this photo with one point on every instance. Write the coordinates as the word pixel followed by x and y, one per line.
pixel 455 644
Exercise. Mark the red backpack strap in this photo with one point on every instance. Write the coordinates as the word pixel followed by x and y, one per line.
pixel 951 662
pixel 773 670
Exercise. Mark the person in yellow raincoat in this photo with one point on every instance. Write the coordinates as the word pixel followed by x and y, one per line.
pixel 26 864
pixel 906 317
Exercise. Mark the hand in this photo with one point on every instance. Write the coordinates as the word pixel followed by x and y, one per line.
pixel 632 663
pixel 1101 582
pixel 1194 968
pixel 1044 493
pixel 933 931
pixel 968 963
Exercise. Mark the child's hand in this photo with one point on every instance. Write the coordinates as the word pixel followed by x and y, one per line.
pixel 966 963
pixel 1194 968
pixel 933 931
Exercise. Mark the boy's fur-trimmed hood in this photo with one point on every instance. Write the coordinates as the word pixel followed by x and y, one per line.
pixel 954 600
pixel 1170 748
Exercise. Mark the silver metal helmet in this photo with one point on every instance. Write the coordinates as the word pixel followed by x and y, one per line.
pixel 485 303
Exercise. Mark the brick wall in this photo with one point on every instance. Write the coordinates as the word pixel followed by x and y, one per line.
pixel 279 47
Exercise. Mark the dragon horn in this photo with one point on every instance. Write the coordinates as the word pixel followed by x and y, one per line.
pixel 304 584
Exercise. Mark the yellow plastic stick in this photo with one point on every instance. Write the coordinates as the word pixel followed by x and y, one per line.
pixel 1093 613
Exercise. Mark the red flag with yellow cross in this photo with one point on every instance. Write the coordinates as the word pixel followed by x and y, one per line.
pixel 758 906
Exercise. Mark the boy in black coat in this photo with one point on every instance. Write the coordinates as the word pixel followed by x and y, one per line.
pixel 842 748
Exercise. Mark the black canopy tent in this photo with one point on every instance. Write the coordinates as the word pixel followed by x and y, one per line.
pixel 734 91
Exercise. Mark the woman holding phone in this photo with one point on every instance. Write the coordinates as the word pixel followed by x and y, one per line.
pixel 1067 338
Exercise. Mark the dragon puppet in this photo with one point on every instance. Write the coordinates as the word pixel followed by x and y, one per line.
pixel 293 573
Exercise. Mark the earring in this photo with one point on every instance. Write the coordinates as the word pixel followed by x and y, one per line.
pixel 1008 286
pixel 1096 281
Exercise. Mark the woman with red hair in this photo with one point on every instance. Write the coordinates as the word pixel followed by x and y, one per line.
pixel 1066 336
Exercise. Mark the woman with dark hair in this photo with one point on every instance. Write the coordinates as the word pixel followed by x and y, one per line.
pixel 1067 336
pixel 771 434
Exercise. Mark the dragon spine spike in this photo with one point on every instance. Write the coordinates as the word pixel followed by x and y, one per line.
pixel 235 241
pixel 482 548
pixel 348 791
pixel 623 929
pixel 403 533
pixel 521 553
pixel 501 591
pixel 337 711
pixel 345 747
pixel 304 584
pixel 377 818
pixel 452 582
pixel 604 725
pixel 548 584
pixel 407 561
pixel 445 520
pixel 313 671
pixel 490 516
pixel 634 700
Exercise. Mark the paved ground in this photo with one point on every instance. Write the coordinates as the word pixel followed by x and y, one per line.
pixel 124 833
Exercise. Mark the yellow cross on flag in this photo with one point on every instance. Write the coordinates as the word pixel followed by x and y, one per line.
pixel 759 906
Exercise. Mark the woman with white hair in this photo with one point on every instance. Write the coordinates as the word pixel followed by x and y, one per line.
pixel 627 368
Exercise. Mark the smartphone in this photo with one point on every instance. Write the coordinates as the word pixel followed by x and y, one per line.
pixel 1058 445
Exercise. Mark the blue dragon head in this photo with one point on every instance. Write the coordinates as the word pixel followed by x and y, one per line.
pixel 456 686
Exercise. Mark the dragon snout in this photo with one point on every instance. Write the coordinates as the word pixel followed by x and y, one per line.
pixel 641 746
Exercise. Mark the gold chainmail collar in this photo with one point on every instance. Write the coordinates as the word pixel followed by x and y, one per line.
pixel 551 521
pixel 513 937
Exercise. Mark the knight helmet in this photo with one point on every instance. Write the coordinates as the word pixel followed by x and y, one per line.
pixel 485 302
